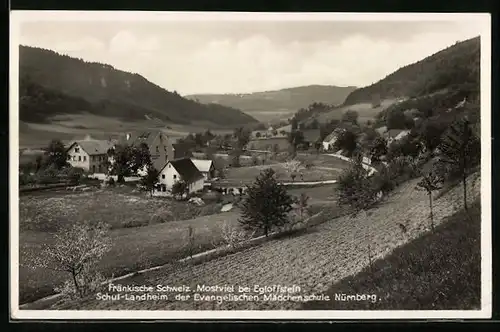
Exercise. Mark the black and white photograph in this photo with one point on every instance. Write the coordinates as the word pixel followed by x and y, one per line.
pixel 209 165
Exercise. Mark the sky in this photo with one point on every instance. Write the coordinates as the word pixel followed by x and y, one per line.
pixel 244 56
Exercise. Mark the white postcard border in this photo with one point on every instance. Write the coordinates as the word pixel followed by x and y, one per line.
pixel 483 20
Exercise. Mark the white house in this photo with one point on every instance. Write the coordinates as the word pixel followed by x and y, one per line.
pixel 396 135
pixel 206 167
pixel 330 140
pixel 89 154
pixel 179 169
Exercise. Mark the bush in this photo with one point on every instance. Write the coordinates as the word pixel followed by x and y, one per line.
pixel 355 188
pixel 233 236
pixel 111 181
pixel 382 181
pixel 403 167
pixel 75 175
pixel 26 179
pixel 46 176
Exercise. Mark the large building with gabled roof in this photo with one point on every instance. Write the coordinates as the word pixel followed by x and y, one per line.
pixel 90 155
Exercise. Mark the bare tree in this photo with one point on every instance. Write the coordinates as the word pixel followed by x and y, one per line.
pixel 461 151
pixel 430 182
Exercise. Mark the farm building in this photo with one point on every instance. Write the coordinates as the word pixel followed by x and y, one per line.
pixel 159 144
pixel 330 140
pixel 176 170
pixel 381 130
pixel 90 155
pixel 395 135
pixel 206 167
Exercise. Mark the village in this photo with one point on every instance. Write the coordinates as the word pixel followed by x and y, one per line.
pixel 187 163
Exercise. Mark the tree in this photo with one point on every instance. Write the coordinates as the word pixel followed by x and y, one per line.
pixel 123 162
pixel 430 182
pixel 354 186
pixel 350 117
pixel 293 167
pixel 347 141
pixel 296 138
pixel 179 188
pixel 75 175
pixel 150 179
pixel 219 165
pixel 208 136
pixel 141 157
pixel 77 248
pixel 127 160
pixel 57 154
pixel 378 149
pixel 431 132
pixel 242 136
pixel 199 140
pixel 461 151
pixel 314 124
pixel 266 205
pixel 39 163
pixel 235 157
pixel 395 119
pixel 275 149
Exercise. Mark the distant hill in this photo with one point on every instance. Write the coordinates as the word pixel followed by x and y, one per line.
pixel 54 84
pixel 455 67
pixel 437 82
pixel 279 104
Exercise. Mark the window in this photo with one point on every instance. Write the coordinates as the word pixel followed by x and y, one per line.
pixel 175 176
pixel 157 149
pixel 93 168
pixel 92 158
pixel 163 176
pixel 163 188
pixel 79 158
pixel 77 149
pixel 69 157
pixel 84 158
pixel 74 158
pixel 166 158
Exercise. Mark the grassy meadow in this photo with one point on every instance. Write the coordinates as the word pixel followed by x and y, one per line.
pixel 145 231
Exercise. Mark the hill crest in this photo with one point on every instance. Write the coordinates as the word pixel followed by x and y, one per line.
pixel 104 90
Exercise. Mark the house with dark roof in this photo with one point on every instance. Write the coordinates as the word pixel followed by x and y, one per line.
pixel 330 139
pixel 395 135
pixel 159 144
pixel 90 155
pixel 177 170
